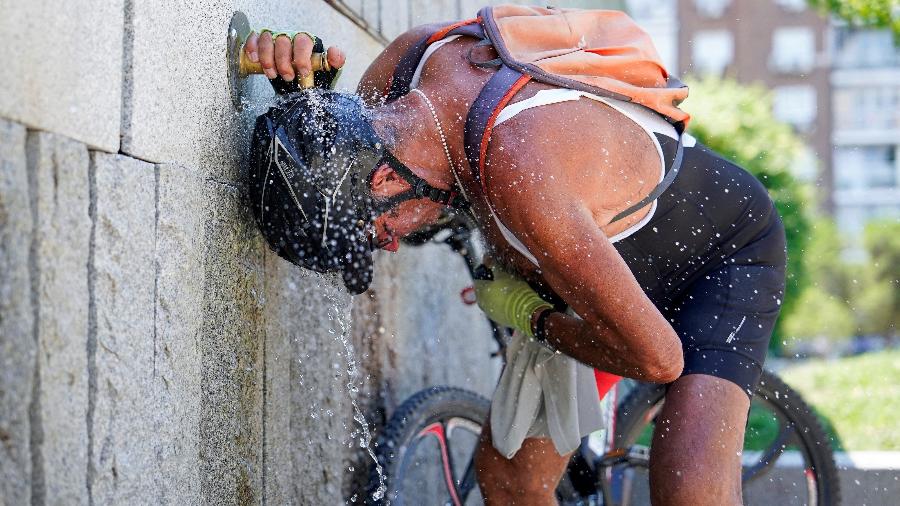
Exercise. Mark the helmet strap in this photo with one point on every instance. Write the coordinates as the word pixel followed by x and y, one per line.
pixel 420 188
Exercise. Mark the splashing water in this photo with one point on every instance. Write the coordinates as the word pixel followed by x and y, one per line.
pixel 341 313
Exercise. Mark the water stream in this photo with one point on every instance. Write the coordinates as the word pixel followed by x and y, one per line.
pixel 341 314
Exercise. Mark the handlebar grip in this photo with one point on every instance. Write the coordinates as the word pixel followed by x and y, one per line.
pixel 483 273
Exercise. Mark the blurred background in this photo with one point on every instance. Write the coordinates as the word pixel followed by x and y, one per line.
pixel 152 348
pixel 806 95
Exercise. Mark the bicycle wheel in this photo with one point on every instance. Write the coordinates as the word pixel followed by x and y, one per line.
pixel 787 457
pixel 427 449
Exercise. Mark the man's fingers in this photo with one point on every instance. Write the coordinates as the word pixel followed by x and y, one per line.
pixel 303 47
pixel 335 57
pixel 267 55
pixel 250 47
pixel 280 57
pixel 283 57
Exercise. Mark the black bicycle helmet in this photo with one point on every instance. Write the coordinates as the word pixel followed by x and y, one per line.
pixel 311 158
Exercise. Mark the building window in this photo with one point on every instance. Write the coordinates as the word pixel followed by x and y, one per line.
pixel 855 48
pixel 713 51
pixel 652 9
pixel 867 108
pixel 659 19
pixel 712 8
pixel 795 105
pixel 852 219
pixel 792 5
pixel 793 50
pixel 865 167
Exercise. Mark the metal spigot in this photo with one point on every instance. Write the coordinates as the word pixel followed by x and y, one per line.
pixel 247 67
pixel 240 66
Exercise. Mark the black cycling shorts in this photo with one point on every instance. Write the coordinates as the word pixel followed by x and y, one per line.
pixel 725 317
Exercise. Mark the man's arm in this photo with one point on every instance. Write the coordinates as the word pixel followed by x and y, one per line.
pixel 621 331
pixel 375 80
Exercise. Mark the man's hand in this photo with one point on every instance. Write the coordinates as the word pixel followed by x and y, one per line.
pixel 508 300
pixel 287 59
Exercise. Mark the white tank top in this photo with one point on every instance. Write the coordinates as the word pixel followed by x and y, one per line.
pixel 650 122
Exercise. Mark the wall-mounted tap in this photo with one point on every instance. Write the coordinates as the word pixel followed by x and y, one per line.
pixel 240 66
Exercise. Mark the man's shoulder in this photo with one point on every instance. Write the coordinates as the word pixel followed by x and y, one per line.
pixel 417 33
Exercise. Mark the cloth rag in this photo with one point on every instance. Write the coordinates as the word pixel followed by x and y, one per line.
pixel 543 393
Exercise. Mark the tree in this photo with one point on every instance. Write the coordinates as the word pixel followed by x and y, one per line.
pixel 824 266
pixel 882 241
pixel 822 309
pixel 873 13
pixel 845 298
pixel 736 121
pixel 819 314
pixel 876 292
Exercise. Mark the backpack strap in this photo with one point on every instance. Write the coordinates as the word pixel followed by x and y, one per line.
pixel 666 181
pixel 419 188
pixel 401 80
pixel 494 96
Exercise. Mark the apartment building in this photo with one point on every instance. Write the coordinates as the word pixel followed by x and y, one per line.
pixel 865 83
pixel 781 44
pixel 839 87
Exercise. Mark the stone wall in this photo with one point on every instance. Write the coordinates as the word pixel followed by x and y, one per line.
pixel 152 350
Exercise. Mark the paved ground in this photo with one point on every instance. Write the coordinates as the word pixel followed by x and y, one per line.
pixel 867 478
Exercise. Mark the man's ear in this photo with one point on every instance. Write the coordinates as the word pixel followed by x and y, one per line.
pixel 386 182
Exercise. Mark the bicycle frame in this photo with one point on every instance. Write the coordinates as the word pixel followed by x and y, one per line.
pixel 456 232
pixel 599 470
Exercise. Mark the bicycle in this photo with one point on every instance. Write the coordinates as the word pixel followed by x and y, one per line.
pixel 433 434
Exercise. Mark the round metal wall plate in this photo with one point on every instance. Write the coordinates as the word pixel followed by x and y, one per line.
pixel 238 30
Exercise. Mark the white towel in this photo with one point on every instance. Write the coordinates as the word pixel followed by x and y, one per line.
pixel 543 393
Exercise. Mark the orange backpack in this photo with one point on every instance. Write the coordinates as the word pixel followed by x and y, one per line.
pixel 599 49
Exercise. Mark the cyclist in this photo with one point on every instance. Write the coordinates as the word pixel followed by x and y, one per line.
pixel 684 290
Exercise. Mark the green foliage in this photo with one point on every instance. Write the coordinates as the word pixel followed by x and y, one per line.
pixel 736 121
pixel 882 241
pixel 822 309
pixel 845 298
pixel 822 258
pixel 874 13
pixel 859 395
pixel 876 298
pixel 876 307
pixel 820 314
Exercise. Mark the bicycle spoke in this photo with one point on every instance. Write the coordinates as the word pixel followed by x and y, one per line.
pixel 468 482
pixel 770 456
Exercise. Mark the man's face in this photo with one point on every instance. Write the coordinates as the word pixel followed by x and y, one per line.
pixel 403 219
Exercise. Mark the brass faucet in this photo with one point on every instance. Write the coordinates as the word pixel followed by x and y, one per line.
pixel 319 62
pixel 239 66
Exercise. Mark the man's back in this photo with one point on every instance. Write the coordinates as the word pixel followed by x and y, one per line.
pixel 583 150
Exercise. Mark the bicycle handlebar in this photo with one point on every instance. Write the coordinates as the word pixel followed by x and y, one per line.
pixel 460 239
